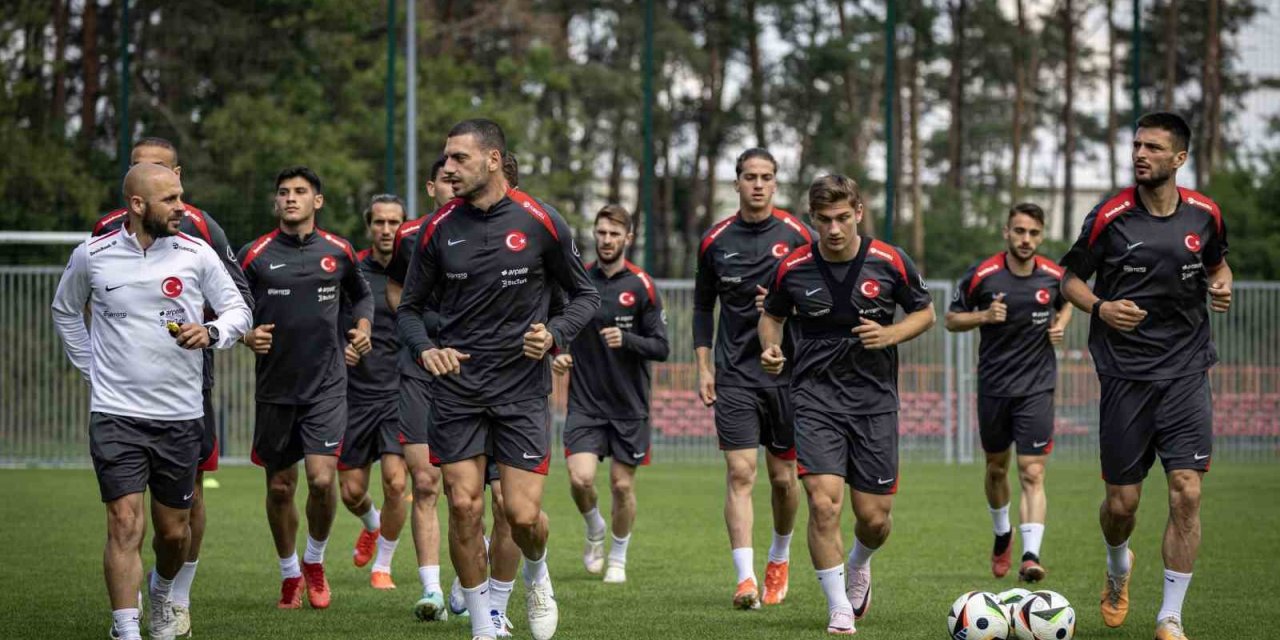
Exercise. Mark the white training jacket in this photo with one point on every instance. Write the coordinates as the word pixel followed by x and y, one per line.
pixel 135 368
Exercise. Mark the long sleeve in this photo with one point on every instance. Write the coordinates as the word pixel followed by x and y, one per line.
pixel 222 293
pixel 358 292
pixel 650 342
pixel 68 311
pixel 566 268
pixel 420 283
pixel 704 302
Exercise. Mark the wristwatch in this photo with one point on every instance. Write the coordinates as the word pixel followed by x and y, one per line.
pixel 1097 305
pixel 214 334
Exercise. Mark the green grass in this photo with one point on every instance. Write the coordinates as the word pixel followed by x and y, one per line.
pixel 680 573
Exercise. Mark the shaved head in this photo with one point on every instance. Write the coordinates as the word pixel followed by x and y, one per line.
pixel 154 195
pixel 144 178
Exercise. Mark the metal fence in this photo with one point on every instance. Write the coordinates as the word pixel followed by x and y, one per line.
pixel 44 403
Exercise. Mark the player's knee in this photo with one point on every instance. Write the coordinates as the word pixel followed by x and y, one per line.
pixel 783 482
pixel 393 486
pixel 997 470
pixel 465 506
pixel 320 483
pixel 581 482
pixel 125 526
pixel 824 512
pixel 1031 476
pixel 878 522
pixel 281 490
pixel 173 535
pixel 741 478
pixel 1184 496
pixel 622 489
pixel 1121 504
pixel 352 493
pixel 426 489
pixel 522 517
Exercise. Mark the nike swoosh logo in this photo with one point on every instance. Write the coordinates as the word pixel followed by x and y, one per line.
pixel 1037 445
pixel 531 456
pixel 332 444
pixel 881 481
pixel 637 456
pixel 809 293
pixel 453 242
pixel 111 288
pixel 1199 457
pixel 1133 246
pixel 276 266
pixel 730 255
pixel 1170 580
pixel 188 496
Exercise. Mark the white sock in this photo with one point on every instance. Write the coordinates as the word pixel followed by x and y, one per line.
pixel 126 621
pixel 860 555
pixel 386 549
pixel 430 577
pixel 535 570
pixel 595 524
pixel 315 551
pixel 744 559
pixel 1175 589
pixel 780 550
pixel 289 567
pixel 1032 534
pixel 477 598
pixel 1000 520
pixel 500 594
pixel 1118 559
pixel 372 519
pixel 181 593
pixel 832 582
pixel 160 587
pixel 618 552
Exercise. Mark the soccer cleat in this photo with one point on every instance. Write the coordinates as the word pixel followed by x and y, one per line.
pixel 544 615
pixel 858 589
pixel 431 607
pixel 366 545
pixel 317 586
pixel 1031 570
pixel 381 580
pixel 501 624
pixel 1001 560
pixel 840 622
pixel 747 596
pixel 162 624
pixel 1170 629
pixel 1115 597
pixel 593 556
pixel 458 602
pixel 183 615
pixel 291 593
pixel 776 578
pixel 615 574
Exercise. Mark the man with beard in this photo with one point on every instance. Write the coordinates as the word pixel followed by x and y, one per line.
pixel 1157 251
pixel 296 272
pixel 490 257
pixel 609 389
pixel 146 285
pixel 1013 297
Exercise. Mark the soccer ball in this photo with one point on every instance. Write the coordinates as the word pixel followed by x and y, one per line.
pixel 1044 615
pixel 978 615
pixel 1012 596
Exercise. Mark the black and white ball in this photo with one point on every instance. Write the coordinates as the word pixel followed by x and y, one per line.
pixel 978 615
pixel 1043 615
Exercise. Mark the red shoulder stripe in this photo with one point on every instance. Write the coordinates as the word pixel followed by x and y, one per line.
pixel 197 218
pixel 108 219
pixel 186 237
pixel 886 251
pixel 98 239
pixel 799 256
pixel 1124 201
pixel 985 268
pixel 794 223
pixel 644 278
pixel 258 247
pixel 534 209
pixel 714 233
pixel 1045 264
pixel 407 229
pixel 437 219
pixel 362 254
pixel 339 242
pixel 1202 201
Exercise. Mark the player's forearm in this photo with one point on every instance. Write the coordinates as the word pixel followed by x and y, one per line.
pixel 914 324
pixel 577 313
pixel 1064 317
pixel 1221 273
pixel 1077 292
pixel 959 321
pixel 647 347
pixel 75 338
pixel 409 325
pixel 703 355
pixel 704 328
pixel 770 330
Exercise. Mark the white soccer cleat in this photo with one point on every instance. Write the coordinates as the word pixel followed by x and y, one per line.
pixel 457 602
pixel 593 556
pixel 183 616
pixel 544 615
pixel 163 624
pixel 858 589
pixel 840 622
pixel 501 624
pixel 615 574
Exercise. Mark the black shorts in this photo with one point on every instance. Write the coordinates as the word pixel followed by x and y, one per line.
pixel 373 429
pixel 517 434
pixel 748 417
pixel 285 433
pixel 1025 420
pixel 414 410
pixel 1138 419
pixel 208 435
pixel 130 454
pixel 627 441
pixel 861 449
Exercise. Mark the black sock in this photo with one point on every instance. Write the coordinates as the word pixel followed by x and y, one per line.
pixel 1002 543
pixel 1031 556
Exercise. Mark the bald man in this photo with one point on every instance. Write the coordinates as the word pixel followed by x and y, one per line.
pixel 146 285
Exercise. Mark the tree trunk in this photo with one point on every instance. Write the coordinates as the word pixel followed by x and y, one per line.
pixel 757 74
pixel 1113 163
pixel 1019 102
pixel 917 182
pixel 955 97
pixel 1211 89
pixel 90 69
pixel 1170 54
pixel 1069 120
pixel 857 115
pixel 615 161
pixel 61 11
pixel 713 139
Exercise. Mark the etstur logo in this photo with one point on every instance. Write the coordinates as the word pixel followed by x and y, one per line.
pixel 987 270
pixel 516 241
pixel 328 264
pixel 171 287
pixel 779 250
pixel 1042 296
pixel 869 288
pixel 1116 210
pixel 1192 242
pixel 627 299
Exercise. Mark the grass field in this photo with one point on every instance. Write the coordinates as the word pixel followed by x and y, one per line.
pixel 681 577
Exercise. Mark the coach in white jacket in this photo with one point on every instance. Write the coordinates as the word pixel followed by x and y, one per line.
pixel 146 285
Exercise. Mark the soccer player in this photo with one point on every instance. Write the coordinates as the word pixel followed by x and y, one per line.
pixel 489 256
pixel 197 224
pixel 1156 251
pixel 842 292
pixel 1013 298
pixel 609 389
pixel 146 285
pixel 751 407
pixel 298 273
pixel 373 419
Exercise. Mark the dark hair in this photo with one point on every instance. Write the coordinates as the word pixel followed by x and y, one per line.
pixel 1027 209
pixel 1171 122
pixel 435 169
pixel 487 133
pixel 833 189
pixel 511 169
pixel 614 213
pixel 382 198
pixel 754 152
pixel 153 141
pixel 300 172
